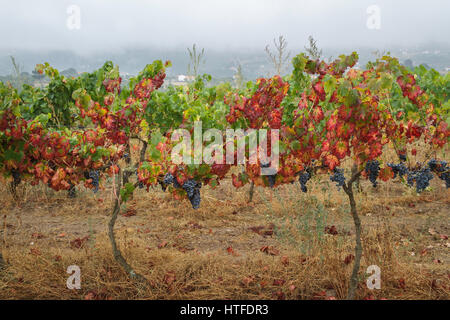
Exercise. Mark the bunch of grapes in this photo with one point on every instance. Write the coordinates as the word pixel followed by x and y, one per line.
pixel 372 170
pixel 16 177
pixel 272 177
pixel 446 177
pixel 94 175
pixel 437 166
pixel 168 179
pixel 411 178
pixel 163 186
pixel 402 157
pixel 303 179
pixel 441 169
pixel 192 189
pixel 423 178
pixel 338 177
pixel 399 169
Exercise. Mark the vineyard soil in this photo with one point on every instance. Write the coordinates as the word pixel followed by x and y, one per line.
pixel 283 245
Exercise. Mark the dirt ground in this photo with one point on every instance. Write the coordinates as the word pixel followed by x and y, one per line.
pixel 283 245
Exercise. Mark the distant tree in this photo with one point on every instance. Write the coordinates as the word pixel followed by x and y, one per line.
pixel 69 73
pixel 36 75
pixel 380 54
pixel 238 76
pixel 312 50
pixel 409 64
pixel 17 77
pixel 196 58
pixel 279 57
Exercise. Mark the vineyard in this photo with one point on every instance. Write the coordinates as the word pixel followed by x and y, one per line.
pixel 89 178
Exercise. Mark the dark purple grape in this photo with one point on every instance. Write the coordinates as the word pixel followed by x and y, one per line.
pixel 373 169
pixel 303 178
pixel 192 189
pixel 338 177
pixel 398 169
pixel 95 176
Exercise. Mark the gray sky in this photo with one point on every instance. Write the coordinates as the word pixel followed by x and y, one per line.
pixel 221 24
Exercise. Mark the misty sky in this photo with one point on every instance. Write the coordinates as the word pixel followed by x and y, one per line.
pixel 221 24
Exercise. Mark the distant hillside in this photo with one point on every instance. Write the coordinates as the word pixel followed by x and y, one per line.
pixel 219 64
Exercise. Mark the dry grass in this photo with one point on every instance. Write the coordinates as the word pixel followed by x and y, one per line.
pixel 183 253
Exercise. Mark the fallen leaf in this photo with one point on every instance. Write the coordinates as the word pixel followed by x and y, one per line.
pixel 349 258
pixel 35 251
pixel 401 284
pixel 263 230
pixel 331 230
pixel 162 244
pixel 231 251
pixel 193 225
pixel 169 278
pixel 285 260
pixel 78 243
pixel 270 250
pixel 279 295
pixel 437 261
pixel 130 212
pixel 279 282
pixel 247 280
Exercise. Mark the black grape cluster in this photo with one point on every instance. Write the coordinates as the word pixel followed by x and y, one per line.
pixel 16 177
pixel 399 169
pixel 169 179
pixel 411 178
pixel 94 175
pixel 338 177
pixel 303 178
pixel 163 186
pixel 271 178
pixel 441 169
pixel 192 189
pixel 373 169
pixel 402 157
pixel 422 178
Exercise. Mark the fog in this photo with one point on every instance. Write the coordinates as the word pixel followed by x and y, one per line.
pixel 219 24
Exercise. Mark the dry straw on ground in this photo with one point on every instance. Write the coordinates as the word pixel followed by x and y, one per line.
pixel 284 245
